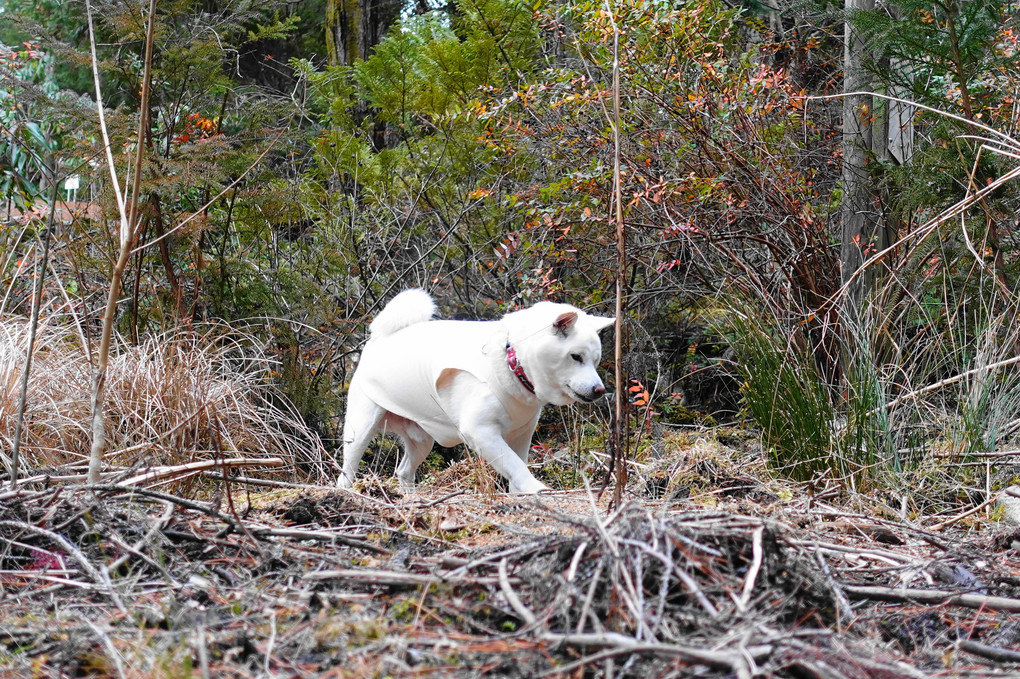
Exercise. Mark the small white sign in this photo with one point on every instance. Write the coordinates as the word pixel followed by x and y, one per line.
pixel 72 183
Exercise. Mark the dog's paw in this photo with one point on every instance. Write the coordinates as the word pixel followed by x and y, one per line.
pixel 531 486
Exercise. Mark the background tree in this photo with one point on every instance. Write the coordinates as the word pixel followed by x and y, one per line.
pixel 354 27
pixel 947 55
pixel 864 144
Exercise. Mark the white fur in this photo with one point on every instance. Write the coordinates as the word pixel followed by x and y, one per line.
pixel 409 307
pixel 448 381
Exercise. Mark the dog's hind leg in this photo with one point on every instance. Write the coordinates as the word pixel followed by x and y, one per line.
pixel 360 424
pixel 417 446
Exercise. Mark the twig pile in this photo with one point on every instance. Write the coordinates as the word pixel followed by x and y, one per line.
pixel 126 581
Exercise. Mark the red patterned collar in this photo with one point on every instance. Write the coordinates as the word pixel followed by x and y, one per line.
pixel 517 369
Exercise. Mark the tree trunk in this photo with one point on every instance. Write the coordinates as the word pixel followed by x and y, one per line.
pixel 860 216
pixel 377 16
pixel 354 27
pixel 619 436
pixel 338 32
pixel 98 449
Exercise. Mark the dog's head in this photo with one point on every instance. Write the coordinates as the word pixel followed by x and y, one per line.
pixel 563 352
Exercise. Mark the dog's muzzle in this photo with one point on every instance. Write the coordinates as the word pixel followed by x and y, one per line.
pixel 595 394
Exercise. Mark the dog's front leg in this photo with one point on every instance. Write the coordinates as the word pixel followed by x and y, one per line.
pixel 482 426
pixel 520 440
pixel 487 441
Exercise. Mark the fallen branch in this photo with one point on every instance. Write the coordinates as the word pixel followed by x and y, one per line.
pixel 877 553
pixel 111 650
pixel 973 510
pixel 268 483
pixel 440 500
pixel 321 536
pixel 511 596
pixel 100 576
pixel 983 456
pixel 1004 655
pixel 740 662
pixel 932 596
pixel 192 467
pixel 752 573
pixel 620 644
pixel 135 549
pixel 397 578
pixel 157 495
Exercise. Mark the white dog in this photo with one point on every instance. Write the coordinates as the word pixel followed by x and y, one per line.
pixel 482 383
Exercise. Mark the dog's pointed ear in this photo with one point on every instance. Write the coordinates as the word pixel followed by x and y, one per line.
pixel 564 322
pixel 602 322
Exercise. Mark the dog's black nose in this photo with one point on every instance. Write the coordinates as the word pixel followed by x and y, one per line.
pixel 598 391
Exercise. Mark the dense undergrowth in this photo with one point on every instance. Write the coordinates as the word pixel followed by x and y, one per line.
pixel 470 154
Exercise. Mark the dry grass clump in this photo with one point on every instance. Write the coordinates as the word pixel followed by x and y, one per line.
pixel 470 472
pixel 706 466
pixel 174 398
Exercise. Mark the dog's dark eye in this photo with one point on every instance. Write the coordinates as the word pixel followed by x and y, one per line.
pixel 577 357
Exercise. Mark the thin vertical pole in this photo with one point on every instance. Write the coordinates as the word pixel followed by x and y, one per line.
pixel 34 323
pixel 618 435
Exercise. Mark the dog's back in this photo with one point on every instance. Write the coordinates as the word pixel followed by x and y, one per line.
pixel 408 308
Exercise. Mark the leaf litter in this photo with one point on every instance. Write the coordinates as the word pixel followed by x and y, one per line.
pixel 125 581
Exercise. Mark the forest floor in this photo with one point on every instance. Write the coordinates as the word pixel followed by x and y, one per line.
pixel 736 580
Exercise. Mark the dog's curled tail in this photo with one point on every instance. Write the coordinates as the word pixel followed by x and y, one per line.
pixel 408 308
